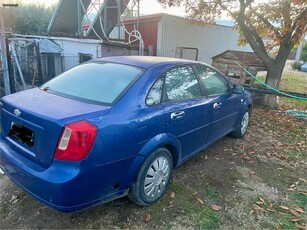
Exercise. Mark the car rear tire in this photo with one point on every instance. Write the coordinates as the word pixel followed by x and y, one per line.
pixel 153 178
pixel 243 125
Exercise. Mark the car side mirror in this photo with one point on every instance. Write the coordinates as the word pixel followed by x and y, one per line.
pixel 238 89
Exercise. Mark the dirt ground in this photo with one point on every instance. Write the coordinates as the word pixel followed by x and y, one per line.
pixel 258 182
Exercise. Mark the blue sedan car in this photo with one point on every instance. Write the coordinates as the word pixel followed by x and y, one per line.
pixel 116 126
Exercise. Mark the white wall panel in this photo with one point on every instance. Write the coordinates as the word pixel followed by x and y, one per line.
pixel 210 40
pixel 72 49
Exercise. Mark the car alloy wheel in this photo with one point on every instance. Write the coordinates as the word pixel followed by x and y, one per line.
pixel 156 177
pixel 244 122
pixel 153 178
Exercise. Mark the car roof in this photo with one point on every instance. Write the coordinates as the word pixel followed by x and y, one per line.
pixel 143 61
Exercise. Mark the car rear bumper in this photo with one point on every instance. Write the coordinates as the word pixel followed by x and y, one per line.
pixel 62 186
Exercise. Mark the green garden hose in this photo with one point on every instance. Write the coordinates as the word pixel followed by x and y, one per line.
pixel 270 87
pixel 296 113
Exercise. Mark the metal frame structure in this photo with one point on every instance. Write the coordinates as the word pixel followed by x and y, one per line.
pixel 94 19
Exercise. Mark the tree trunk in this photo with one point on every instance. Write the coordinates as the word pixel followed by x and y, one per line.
pixel 273 79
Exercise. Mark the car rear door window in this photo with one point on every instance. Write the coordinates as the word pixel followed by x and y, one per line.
pixel 180 84
pixel 213 82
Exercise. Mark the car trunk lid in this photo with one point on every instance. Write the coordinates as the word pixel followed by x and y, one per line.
pixel 32 121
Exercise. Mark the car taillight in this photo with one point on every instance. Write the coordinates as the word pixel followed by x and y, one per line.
pixel 76 141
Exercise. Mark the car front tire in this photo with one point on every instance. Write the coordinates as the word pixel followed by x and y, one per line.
pixel 153 178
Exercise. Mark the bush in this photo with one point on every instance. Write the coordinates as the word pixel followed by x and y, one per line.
pixel 296 65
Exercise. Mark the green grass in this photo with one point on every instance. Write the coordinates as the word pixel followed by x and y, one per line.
pixel 298 199
pixel 212 193
pixel 208 219
pixel 261 76
pixel 3 212
pixel 188 207
pixel 291 80
pixel 292 103
pixel 294 81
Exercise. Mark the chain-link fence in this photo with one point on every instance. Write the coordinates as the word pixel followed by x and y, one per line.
pixel 292 81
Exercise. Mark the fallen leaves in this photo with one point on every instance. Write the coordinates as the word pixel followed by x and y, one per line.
pixel 295 213
pixel 298 209
pixel 148 217
pixel 294 187
pixel 259 202
pixel 301 226
pixel 260 206
pixel 262 200
pixel 200 200
pixel 172 201
pixel 294 210
pixel 194 193
pixel 284 207
pixel 283 158
pixel 216 207
pixel 295 220
pixel 172 195
pixel 14 199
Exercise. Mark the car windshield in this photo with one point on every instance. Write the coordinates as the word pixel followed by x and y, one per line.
pixel 94 82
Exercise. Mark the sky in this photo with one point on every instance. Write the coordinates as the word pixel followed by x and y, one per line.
pixel 146 6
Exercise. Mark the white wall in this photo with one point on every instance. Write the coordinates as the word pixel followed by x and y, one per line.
pixel 210 40
pixel 73 47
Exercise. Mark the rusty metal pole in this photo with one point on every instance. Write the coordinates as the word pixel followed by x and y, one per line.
pixel 6 75
pixel 39 65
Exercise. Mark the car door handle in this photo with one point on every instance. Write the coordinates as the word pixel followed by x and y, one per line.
pixel 177 115
pixel 217 105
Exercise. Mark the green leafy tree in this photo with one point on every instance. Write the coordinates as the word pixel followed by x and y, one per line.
pixel 28 19
pixel 271 28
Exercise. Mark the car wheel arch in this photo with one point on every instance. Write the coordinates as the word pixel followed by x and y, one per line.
pixel 165 140
pixel 159 141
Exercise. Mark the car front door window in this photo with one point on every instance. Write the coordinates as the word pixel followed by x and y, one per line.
pixel 213 81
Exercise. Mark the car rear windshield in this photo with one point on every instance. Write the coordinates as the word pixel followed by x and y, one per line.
pixel 101 83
